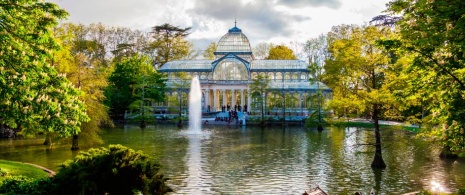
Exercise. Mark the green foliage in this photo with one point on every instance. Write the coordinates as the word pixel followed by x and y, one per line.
pixel 83 61
pixel 169 43
pixel 281 52
pixel 34 97
pixel 129 75
pixel 12 168
pixel 259 87
pixel 209 52
pixel 431 34
pixel 148 88
pixel 3 173
pixel 25 185
pixel 114 170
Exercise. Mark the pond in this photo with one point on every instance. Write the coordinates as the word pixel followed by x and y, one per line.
pixel 272 160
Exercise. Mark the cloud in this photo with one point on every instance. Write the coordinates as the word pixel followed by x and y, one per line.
pixel 259 17
pixel 334 4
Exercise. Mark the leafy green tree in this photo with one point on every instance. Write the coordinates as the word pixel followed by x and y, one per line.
pixel 123 83
pixel 169 43
pixel 150 87
pixel 209 52
pixel 33 96
pixel 84 64
pixel 259 87
pixel 432 32
pixel 360 67
pixel 281 52
pixel 182 82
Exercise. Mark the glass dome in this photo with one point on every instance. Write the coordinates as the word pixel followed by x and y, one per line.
pixel 234 41
pixel 230 69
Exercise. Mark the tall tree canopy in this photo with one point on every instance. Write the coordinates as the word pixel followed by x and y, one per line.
pixel 84 63
pixel 209 52
pixel 432 33
pixel 127 79
pixel 169 43
pixel 33 96
pixel 281 52
pixel 358 69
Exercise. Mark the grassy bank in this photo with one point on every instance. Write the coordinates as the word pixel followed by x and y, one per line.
pixel 17 168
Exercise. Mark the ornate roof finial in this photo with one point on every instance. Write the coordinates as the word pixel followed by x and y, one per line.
pixel 235 19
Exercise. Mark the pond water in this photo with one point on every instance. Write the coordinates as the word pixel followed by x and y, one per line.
pixel 253 160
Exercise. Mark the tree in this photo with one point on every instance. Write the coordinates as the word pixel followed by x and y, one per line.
pixel 317 51
pixel 261 50
pixel 259 87
pixel 123 83
pixel 150 87
pixel 432 32
pixel 84 64
pixel 209 52
pixel 360 67
pixel 182 83
pixel 169 43
pixel 34 97
pixel 281 52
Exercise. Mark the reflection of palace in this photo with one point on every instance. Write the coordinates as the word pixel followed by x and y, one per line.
pixel 225 80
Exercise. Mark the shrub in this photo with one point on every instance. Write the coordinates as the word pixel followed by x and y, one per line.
pixel 3 172
pixel 113 170
pixel 25 185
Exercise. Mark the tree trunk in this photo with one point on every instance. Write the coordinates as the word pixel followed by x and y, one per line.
pixel 378 161
pixel 48 139
pixel 75 144
pixel 143 124
pixel 447 154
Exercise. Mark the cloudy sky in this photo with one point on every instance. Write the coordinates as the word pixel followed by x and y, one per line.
pixel 276 21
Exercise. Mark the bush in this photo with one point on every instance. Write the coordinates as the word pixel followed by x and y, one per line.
pixel 113 170
pixel 3 173
pixel 25 185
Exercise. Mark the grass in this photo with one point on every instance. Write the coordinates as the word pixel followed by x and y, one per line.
pixel 17 168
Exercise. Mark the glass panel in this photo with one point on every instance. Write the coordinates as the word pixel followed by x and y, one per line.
pixel 230 69
pixel 278 64
pixel 187 64
pixel 234 42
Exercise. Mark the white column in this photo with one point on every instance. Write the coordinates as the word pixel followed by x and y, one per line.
pixel 233 99
pixel 215 104
pixel 224 98
pixel 207 95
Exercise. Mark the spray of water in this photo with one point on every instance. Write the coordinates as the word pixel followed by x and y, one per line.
pixel 195 107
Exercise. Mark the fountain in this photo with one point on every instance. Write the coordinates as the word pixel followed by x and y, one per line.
pixel 195 107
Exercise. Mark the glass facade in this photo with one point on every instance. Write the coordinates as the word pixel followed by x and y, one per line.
pixel 230 69
pixel 278 65
pixel 234 42
pixel 187 65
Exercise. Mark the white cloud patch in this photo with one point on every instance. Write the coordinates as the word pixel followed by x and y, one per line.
pixel 277 21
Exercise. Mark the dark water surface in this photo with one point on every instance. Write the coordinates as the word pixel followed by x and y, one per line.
pixel 252 160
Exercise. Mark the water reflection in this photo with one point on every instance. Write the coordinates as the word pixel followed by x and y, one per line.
pixel 197 180
pixel 247 160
